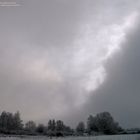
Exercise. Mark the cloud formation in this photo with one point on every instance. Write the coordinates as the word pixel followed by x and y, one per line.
pixel 120 93
pixel 53 55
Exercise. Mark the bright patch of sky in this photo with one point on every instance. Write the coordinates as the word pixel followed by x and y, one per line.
pixel 94 47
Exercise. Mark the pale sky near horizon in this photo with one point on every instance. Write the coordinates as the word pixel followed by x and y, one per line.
pixel 66 59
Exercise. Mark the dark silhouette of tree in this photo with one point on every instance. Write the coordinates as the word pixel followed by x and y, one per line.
pixel 91 124
pixel 51 128
pixel 17 122
pixel 59 125
pixel 59 128
pixel 106 123
pixel 41 129
pixel 10 123
pixel 30 127
pixel 51 125
pixel 4 122
pixel 80 129
pixel 102 122
pixel 68 131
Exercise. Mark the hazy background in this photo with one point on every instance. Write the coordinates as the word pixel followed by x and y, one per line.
pixel 66 59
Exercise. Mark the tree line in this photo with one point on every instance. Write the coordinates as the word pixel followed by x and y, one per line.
pixel 102 123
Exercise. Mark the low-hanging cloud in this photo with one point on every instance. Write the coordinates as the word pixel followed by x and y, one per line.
pixel 120 93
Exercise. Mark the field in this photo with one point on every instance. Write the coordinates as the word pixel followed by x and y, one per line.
pixel 117 137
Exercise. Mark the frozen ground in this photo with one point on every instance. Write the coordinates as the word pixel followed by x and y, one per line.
pixel 117 137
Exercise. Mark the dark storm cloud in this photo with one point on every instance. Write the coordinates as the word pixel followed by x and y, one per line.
pixel 120 92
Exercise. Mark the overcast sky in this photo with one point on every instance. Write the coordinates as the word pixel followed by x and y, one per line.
pixel 66 59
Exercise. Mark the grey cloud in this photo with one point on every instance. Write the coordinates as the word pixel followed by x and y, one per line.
pixel 43 22
pixel 39 70
pixel 120 92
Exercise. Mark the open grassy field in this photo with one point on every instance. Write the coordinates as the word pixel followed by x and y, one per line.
pixel 116 137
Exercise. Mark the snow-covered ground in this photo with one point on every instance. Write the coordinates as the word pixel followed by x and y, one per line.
pixel 115 137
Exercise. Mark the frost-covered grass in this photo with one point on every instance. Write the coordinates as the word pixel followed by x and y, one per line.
pixel 114 137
